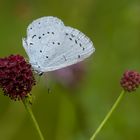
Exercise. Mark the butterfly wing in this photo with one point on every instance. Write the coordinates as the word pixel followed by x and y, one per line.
pixel 43 35
pixel 74 48
pixel 50 45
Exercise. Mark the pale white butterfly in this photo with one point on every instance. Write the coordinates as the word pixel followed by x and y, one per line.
pixel 51 45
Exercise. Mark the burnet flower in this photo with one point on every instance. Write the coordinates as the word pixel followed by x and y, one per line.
pixel 16 77
pixel 130 80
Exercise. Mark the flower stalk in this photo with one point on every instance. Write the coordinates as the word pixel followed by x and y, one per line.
pixel 108 115
pixel 28 109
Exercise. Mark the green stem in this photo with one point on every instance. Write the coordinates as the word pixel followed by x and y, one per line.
pixel 107 116
pixel 28 109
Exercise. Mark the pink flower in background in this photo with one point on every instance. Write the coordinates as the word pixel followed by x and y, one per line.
pixel 70 76
pixel 16 77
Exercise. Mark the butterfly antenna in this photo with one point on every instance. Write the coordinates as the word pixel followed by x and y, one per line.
pixel 49 90
pixel 48 83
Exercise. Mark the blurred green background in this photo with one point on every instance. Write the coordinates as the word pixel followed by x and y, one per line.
pixel 69 113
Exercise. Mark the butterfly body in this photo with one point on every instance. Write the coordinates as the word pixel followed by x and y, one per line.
pixel 51 45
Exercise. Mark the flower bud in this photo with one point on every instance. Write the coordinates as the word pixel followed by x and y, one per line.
pixel 130 80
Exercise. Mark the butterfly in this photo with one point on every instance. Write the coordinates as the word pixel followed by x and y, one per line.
pixel 50 45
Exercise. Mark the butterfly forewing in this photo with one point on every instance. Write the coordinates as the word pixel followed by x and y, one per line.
pixel 42 35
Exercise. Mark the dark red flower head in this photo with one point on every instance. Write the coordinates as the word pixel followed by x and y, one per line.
pixel 16 77
pixel 130 80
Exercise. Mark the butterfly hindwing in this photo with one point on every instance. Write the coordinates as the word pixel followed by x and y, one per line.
pixel 75 47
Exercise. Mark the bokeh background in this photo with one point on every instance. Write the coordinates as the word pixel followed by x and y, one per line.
pixel 69 105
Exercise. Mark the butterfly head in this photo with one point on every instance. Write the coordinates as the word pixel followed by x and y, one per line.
pixel 37 69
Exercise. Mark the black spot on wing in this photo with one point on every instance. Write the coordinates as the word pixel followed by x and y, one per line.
pixel 33 36
pixel 76 41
